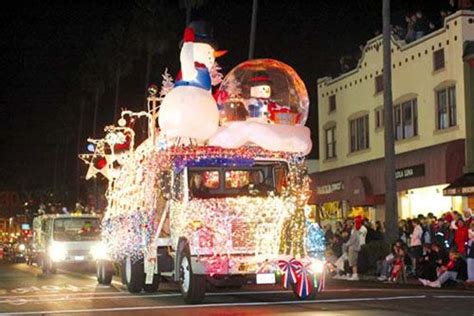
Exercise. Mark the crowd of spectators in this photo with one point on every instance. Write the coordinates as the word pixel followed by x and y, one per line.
pixel 346 240
pixel 438 249
pixel 434 250
pixel 413 26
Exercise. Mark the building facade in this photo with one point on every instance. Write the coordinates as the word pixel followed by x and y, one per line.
pixel 432 109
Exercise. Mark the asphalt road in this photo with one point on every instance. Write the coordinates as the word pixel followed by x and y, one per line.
pixel 25 291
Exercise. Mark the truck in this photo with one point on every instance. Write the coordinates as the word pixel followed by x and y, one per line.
pixel 61 240
pixel 216 193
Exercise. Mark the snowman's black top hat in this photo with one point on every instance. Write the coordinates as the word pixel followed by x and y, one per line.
pixel 203 32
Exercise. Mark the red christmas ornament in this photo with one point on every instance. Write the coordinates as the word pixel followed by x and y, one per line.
pixel 101 163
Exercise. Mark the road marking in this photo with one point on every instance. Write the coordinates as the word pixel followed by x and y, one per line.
pixel 125 293
pixel 112 309
pixel 222 293
pixel 454 296
pixel 67 294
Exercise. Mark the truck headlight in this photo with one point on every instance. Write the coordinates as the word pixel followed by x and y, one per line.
pixel 99 251
pixel 57 252
pixel 317 266
pixel 21 247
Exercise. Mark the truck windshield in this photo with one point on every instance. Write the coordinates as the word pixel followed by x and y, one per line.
pixel 257 180
pixel 76 229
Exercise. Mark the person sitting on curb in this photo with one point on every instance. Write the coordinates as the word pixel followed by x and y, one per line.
pixel 455 270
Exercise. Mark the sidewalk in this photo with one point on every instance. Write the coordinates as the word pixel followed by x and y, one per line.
pixel 411 281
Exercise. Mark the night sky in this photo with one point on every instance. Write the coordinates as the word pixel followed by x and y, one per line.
pixel 44 42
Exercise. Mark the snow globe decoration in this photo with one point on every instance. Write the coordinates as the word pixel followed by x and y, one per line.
pixel 264 91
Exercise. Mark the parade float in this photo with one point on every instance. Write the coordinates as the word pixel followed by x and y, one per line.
pixel 217 192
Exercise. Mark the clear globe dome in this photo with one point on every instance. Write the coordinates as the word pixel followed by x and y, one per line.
pixel 263 90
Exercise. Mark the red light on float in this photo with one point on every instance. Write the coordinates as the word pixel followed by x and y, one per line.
pixel 101 163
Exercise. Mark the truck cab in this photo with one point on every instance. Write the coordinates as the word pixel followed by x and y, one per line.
pixel 59 240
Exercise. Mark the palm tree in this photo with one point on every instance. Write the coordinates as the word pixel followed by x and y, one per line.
pixel 391 211
pixel 93 76
pixel 116 48
pixel 92 72
pixel 189 5
pixel 253 29
pixel 153 29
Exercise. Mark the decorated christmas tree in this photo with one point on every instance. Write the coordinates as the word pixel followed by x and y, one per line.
pixel 167 83
pixel 233 88
pixel 216 74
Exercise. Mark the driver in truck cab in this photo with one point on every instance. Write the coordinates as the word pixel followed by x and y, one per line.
pixel 257 184
pixel 197 187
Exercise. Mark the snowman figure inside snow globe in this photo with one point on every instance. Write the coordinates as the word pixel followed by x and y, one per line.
pixel 260 93
pixel 264 91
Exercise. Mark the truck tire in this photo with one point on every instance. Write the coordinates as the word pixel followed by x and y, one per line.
pixel 105 272
pixel 44 266
pixel 193 286
pixel 152 288
pixel 134 275
pixel 47 266
pixel 53 268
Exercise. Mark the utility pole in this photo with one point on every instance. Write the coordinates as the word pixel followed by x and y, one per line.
pixel 253 29
pixel 391 210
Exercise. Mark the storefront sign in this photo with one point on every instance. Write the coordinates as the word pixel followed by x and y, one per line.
pixel 459 191
pixel 330 188
pixel 410 172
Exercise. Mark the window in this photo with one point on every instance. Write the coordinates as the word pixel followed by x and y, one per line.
pixel 201 182
pixel 332 103
pixel 359 129
pixel 379 83
pixel 331 142
pixel 236 179
pixel 405 119
pixel 379 118
pixel 446 107
pixel 76 229
pixel 438 59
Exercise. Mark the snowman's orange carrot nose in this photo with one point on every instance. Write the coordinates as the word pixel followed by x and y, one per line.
pixel 219 53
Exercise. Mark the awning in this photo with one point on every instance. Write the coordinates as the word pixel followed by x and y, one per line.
pixel 461 186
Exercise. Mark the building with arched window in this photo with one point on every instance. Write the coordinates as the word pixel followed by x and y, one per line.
pixel 433 110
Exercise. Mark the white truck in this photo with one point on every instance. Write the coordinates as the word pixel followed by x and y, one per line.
pixel 230 209
pixel 59 240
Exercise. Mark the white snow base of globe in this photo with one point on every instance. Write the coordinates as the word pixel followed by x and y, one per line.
pixel 187 111
pixel 275 137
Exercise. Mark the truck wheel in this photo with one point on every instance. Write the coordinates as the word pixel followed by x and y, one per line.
pixel 152 288
pixel 52 268
pixel 134 275
pixel 105 272
pixel 193 286
pixel 44 267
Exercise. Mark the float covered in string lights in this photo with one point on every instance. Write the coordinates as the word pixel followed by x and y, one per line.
pixel 232 230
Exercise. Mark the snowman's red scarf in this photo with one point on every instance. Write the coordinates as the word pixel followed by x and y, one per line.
pixel 179 76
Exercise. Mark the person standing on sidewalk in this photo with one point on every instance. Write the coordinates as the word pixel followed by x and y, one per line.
pixel 416 249
pixel 470 254
pixel 353 248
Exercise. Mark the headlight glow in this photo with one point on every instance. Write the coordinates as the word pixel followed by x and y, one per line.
pixel 317 266
pixel 99 251
pixel 57 252
pixel 21 247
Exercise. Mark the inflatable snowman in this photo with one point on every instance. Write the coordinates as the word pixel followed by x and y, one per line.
pixel 189 110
